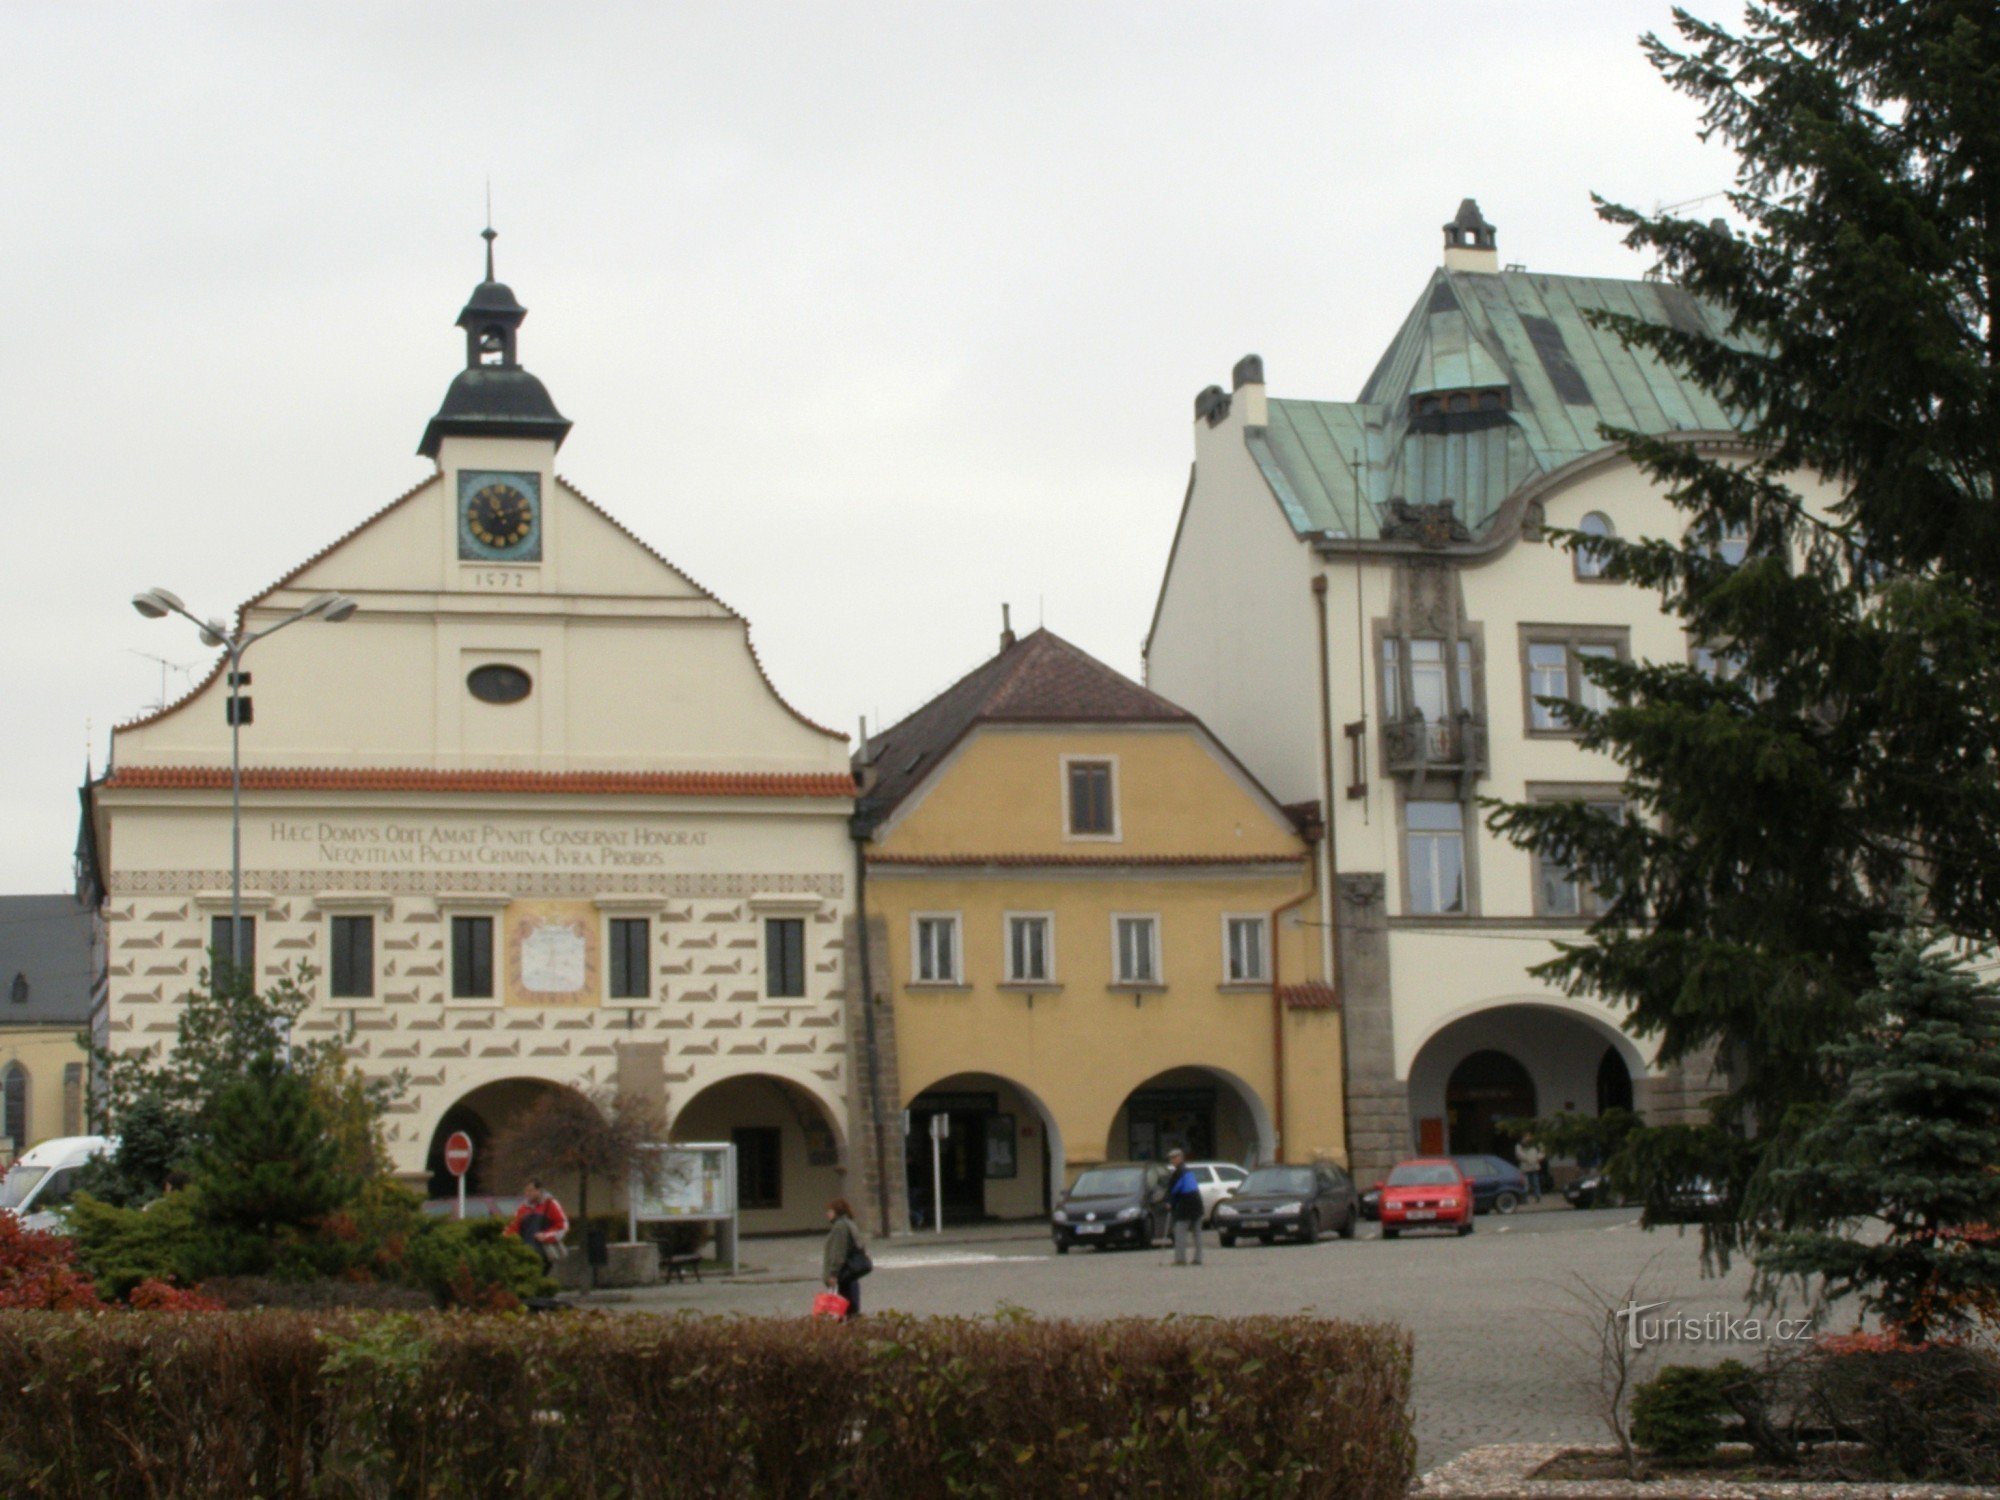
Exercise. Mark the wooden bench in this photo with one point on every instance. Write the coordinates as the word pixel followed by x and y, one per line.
pixel 676 1267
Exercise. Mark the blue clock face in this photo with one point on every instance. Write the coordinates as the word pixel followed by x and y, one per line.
pixel 499 516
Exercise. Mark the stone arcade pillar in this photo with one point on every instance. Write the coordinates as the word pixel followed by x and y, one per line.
pixel 1378 1103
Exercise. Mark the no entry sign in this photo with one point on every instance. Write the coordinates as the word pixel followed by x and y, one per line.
pixel 458 1154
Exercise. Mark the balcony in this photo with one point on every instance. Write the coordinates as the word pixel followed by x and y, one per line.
pixel 1419 748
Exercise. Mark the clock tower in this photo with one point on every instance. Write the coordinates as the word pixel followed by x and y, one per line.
pixel 493 396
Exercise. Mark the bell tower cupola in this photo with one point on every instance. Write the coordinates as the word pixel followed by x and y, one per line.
pixel 493 396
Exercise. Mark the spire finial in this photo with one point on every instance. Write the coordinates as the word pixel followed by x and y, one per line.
pixel 489 233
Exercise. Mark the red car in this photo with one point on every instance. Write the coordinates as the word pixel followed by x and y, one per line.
pixel 1427 1193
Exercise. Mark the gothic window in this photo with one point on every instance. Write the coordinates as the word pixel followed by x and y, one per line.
pixel 14 1105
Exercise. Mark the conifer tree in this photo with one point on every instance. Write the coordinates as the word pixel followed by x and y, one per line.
pixel 267 1160
pixel 1912 1139
pixel 1846 730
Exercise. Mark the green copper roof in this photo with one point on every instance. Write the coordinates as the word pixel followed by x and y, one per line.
pixel 1474 334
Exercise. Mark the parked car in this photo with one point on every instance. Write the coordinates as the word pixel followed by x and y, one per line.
pixel 1371 1204
pixel 1119 1203
pixel 41 1181
pixel 1592 1190
pixel 1498 1186
pixel 1297 1202
pixel 1217 1180
pixel 1427 1192
pixel 1694 1201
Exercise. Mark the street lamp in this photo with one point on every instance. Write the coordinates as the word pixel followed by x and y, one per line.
pixel 157 604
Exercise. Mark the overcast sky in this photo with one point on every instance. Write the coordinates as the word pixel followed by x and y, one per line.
pixel 868 316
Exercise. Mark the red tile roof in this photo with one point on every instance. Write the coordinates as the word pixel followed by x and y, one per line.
pixel 1085 861
pixel 413 779
pixel 1312 994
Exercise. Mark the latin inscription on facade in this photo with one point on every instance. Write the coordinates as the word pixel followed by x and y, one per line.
pixel 430 844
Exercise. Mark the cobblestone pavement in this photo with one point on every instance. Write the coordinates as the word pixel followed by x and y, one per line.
pixel 1498 1333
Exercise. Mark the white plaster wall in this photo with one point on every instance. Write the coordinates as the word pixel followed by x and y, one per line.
pixel 634 668
pixel 1233 639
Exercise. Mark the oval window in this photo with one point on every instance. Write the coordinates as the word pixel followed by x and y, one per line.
pixel 498 684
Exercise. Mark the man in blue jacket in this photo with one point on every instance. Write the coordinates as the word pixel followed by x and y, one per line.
pixel 1183 1207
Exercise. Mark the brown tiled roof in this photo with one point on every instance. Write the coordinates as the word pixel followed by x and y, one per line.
pixel 413 779
pixel 1312 994
pixel 1039 679
pixel 1085 861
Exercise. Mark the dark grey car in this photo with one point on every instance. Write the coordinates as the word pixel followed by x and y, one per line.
pixel 1296 1202
pixel 1119 1203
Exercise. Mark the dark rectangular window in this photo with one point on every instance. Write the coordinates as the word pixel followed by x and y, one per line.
pixel 759 1163
pixel 631 966
pixel 785 957
pixel 223 955
pixel 1090 811
pixel 472 958
pixel 353 960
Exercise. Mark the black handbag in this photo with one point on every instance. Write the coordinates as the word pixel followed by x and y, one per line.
pixel 856 1266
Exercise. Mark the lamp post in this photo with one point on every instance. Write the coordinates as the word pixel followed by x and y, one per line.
pixel 157 604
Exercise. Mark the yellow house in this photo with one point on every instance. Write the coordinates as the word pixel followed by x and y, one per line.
pixel 1097 931
pixel 47 974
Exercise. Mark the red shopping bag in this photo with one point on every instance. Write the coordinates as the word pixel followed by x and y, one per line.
pixel 830 1305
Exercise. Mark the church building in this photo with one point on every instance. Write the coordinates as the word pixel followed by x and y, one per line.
pixel 533 816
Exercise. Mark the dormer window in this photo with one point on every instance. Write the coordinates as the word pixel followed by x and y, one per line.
pixel 1472 403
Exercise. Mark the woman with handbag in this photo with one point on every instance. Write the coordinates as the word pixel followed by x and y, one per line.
pixel 845 1260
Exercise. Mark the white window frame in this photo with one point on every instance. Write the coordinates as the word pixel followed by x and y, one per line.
pixel 956 922
pixel 1262 922
pixel 1118 978
pixel 356 904
pixel 1117 834
pixel 1411 883
pixel 1048 921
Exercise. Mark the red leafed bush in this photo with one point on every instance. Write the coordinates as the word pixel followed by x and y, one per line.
pixel 164 1296
pixel 37 1271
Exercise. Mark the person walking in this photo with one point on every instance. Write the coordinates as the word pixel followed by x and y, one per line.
pixel 1183 1207
pixel 844 1260
pixel 540 1222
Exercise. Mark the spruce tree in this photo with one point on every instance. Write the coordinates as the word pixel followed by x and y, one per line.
pixel 1912 1139
pixel 268 1161
pixel 1854 737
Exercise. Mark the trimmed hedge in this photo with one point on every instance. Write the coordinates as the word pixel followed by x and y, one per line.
pixel 291 1404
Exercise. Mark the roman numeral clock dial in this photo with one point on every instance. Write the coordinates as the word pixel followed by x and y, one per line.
pixel 499 519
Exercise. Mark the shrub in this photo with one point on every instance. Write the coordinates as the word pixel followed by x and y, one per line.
pixel 1678 1414
pixel 1924 1411
pixel 241 1293
pixel 168 1240
pixel 474 1264
pixel 158 1296
pixel 37 1271
pixel 447 1405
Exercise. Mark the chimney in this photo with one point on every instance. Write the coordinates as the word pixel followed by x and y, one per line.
pixel 1469 243
pixel 1246 383
pixel 1006 627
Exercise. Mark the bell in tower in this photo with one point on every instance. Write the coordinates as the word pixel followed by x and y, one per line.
pixel 493 396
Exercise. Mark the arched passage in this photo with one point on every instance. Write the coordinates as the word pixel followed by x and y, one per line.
pixel 1208 1112
pixel 1506 1061
pixel 1001 1156
pixel 483 1114
pixel 788 1148
pixel 1486 1089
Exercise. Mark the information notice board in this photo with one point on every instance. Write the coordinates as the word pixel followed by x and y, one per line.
pixel 695 1182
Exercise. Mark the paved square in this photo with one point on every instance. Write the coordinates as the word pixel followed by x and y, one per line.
pixel 1496 1323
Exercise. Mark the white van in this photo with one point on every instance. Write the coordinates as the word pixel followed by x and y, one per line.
pixel 40 1181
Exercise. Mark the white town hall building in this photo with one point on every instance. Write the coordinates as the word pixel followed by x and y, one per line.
pixel 534 816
